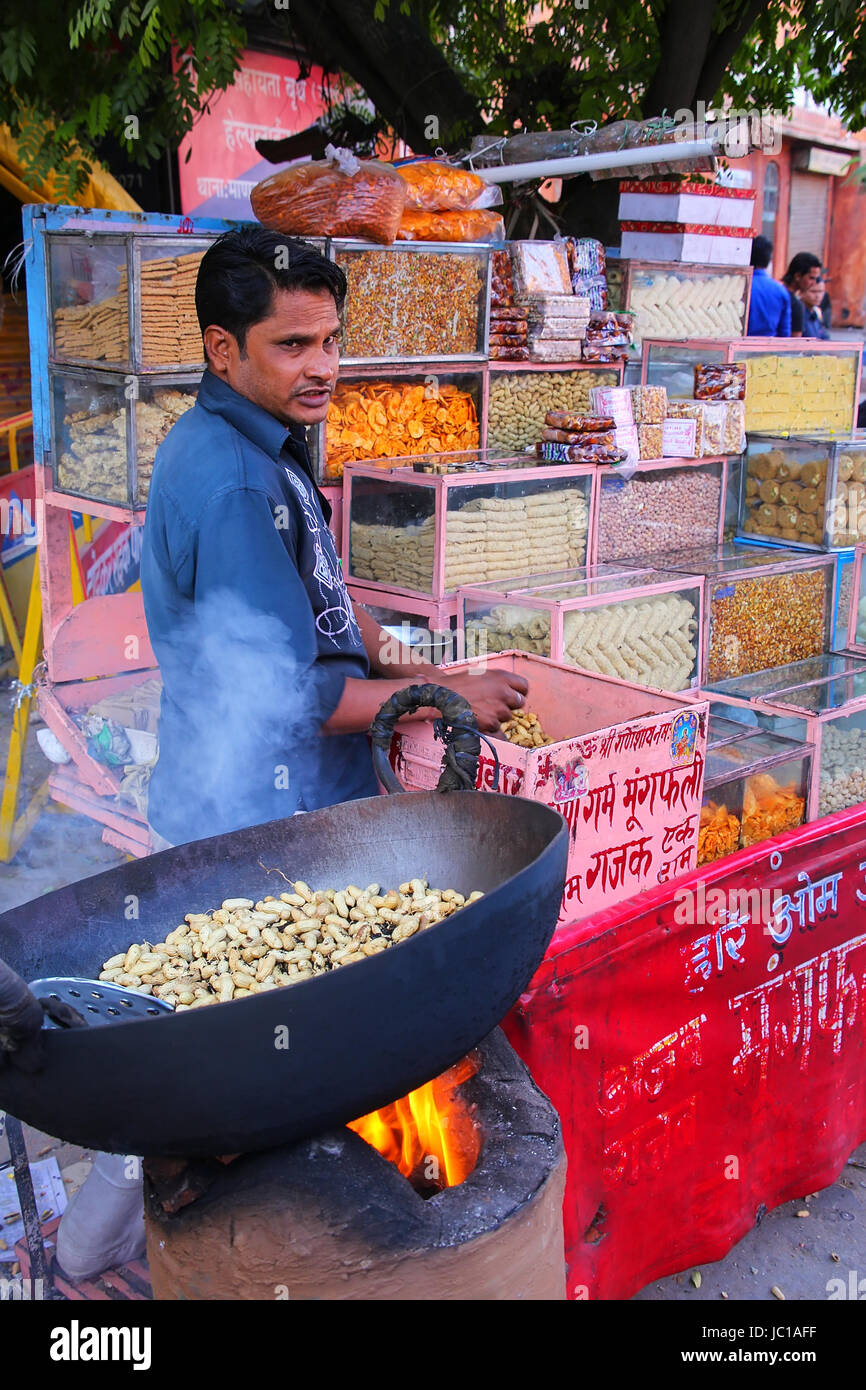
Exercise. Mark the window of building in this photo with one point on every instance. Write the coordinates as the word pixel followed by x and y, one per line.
pixel 771 199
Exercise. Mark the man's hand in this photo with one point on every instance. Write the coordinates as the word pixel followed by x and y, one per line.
pixel 492 695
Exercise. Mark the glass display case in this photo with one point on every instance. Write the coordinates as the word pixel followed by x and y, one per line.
pixel 797 385
pixel 519 396
pixel 826 699
pixel 106 428
pixel 664 507
pixel 428 534
pixel 396 415
pixel 125 301
pixel 414 301
pixel 856 631
pixel 682 301
pixel 762 608
pixel 756 785
pixel 641 626
pixel 809 491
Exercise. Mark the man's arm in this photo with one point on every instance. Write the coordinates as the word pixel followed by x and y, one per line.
pixel 388 657
pixel 249 592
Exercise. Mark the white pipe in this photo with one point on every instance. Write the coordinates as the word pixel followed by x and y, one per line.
pixel 583 164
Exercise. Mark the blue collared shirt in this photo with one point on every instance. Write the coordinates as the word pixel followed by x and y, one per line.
pixel 251 624
pixel 769 307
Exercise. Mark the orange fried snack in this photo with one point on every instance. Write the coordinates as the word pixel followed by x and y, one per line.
pixel 718 833
pixel 369 420
pixel 768 809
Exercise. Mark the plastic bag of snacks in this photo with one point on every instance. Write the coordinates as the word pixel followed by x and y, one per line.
pixel 720 381
pixel 476 224
pixel 337 196
pixel 434 186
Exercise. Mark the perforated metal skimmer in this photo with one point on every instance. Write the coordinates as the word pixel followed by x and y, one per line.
pixel 96 1002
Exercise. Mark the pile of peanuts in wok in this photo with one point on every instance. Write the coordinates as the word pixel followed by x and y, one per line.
pixel 244 947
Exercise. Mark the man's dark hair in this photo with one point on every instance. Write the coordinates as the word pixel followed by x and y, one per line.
pixel 762 252
pixel 241 270
pixel 800 264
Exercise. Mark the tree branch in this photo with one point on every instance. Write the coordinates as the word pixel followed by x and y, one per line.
pixel 722 48
pixel 684 36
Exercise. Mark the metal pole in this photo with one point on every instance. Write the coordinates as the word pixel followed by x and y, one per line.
pixel 584 164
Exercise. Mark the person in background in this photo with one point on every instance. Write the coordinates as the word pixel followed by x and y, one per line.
pixel 804 271
pixel 813 323
pixel 770 303
pixel 825 308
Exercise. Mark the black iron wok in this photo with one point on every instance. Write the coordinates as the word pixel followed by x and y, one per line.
pixel 215 1081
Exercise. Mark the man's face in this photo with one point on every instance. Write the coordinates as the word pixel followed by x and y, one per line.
pixel 290 359
pixel 813 294
pixel 807 279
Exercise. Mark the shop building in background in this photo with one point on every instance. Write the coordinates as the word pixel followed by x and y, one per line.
pixel 807 200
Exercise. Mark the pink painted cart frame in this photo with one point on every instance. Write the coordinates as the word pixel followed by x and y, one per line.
pixel 443 484
pixel 543 596
pixel 855 645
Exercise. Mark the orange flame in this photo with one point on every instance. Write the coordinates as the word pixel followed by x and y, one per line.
pixel 429 1134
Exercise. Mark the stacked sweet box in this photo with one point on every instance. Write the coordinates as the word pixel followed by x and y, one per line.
pixel 794 384
pixel 763 608
pixel 686 221
pixel 636 624
pixel 681 301
pixel 805 490
pixel 424 534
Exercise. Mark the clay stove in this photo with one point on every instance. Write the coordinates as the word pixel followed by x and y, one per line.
pixel 331 1218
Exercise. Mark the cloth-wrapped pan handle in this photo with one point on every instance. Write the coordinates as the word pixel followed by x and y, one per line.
pixel 459 729
pixel 21 1038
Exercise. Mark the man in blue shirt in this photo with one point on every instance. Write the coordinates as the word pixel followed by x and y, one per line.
pixel 770 303
pixel 264 660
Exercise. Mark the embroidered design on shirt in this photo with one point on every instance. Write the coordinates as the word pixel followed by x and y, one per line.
pixel 337 616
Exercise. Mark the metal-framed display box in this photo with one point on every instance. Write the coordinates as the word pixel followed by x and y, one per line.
pixel 762 608
pixel 798 385
pixel 111 464
pixel 805 490
pixel 856 630
pixel 640 625
pixel 424 624
pixel 821 701
pixel 48 226
pixel 426 534
pixel 677 300
pixel 393 432
pixel 86 644
pixel 756 785
pixel 662 505
pixel 387 335
pixel 519 394
pixel 838 639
